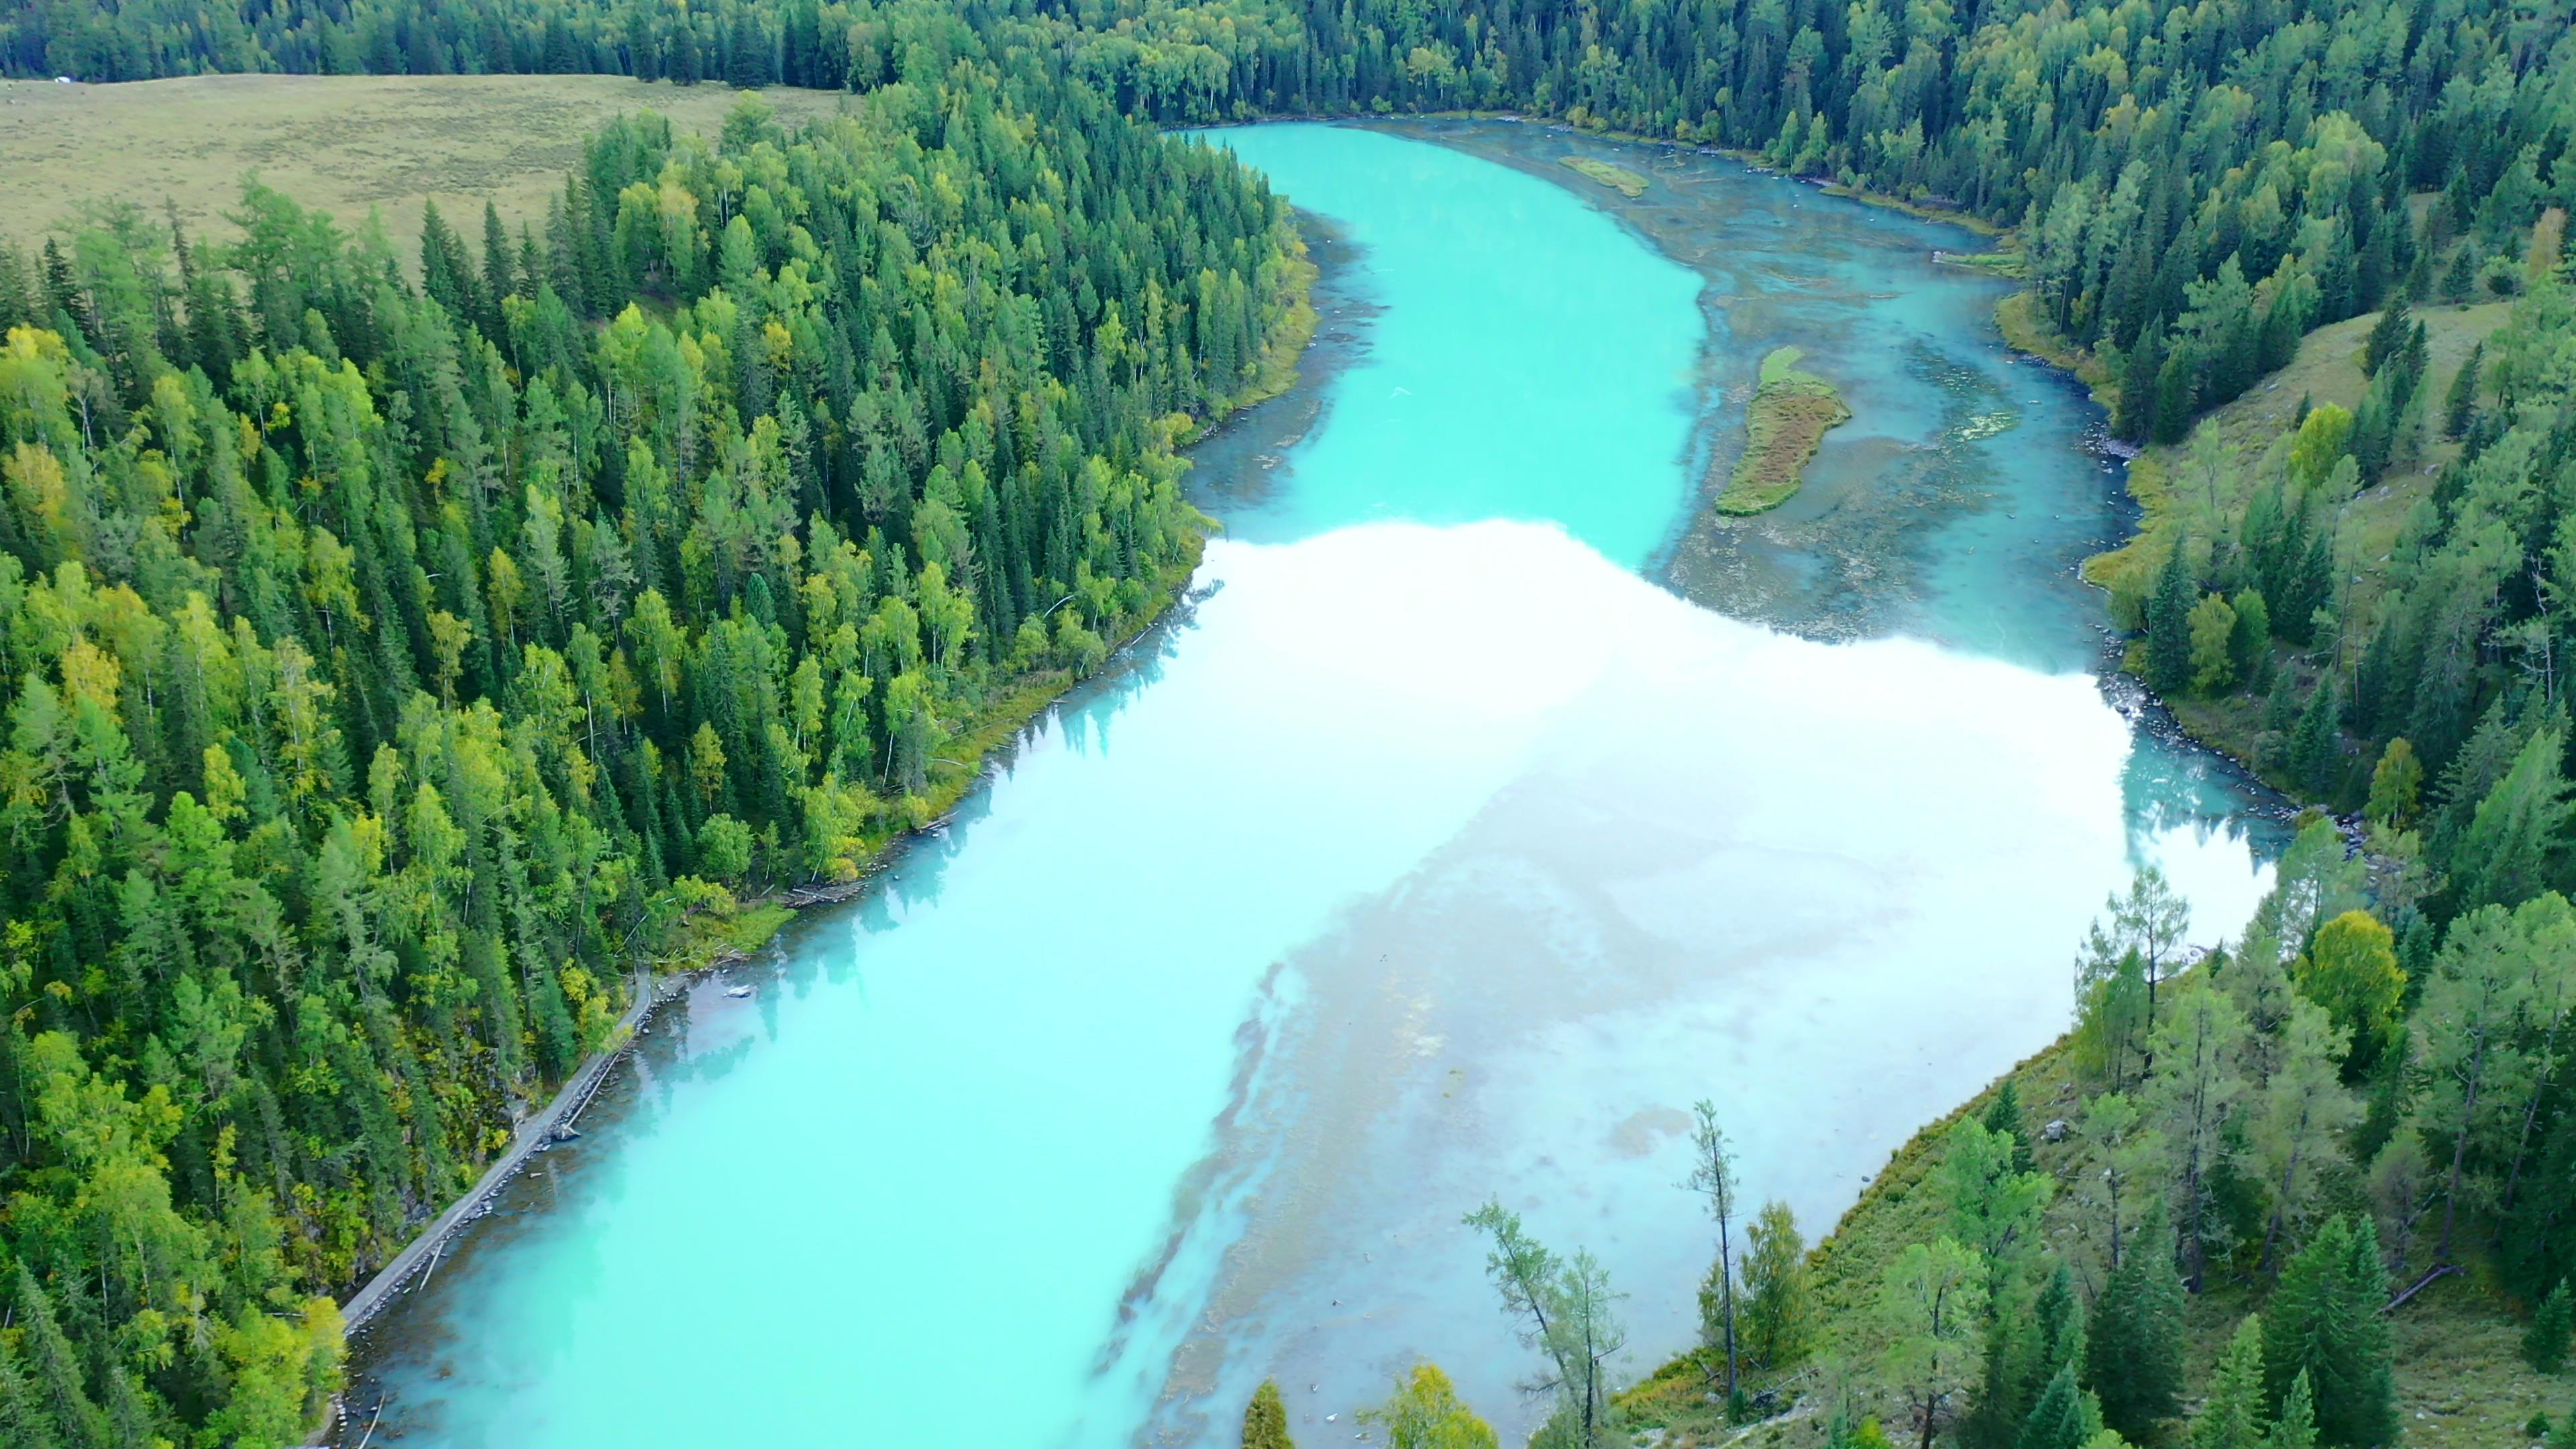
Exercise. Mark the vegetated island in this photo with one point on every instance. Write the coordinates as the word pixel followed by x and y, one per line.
pixel 1790 414
pixel 1618 178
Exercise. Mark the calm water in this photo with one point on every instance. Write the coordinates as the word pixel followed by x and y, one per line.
pixel 1434 850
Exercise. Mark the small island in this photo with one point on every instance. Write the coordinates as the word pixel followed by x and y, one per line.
pixel 1618 178
pixel 1790 414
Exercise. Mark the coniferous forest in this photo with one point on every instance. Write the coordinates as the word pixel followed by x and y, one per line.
pixel 391 668
pixel 400 650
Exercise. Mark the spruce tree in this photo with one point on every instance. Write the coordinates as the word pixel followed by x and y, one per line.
pixel 2059 1315
pixel 2325 1323
pixel 2462 275
pixel 2136 417
pixel 497 279
pixel 24 1421
pixel 2544 1345
pixel 2169 620
pixel 56 1367
pixel 2295 1427
pixel 685 65
pixel 446 273
pixel 1265 1419
pixel 2316 746
pixel 2386 339
pixel 2059 1420
pixel 2233 1416
pixel 2461 403
pixel 2003 1115
pixel 2133 1354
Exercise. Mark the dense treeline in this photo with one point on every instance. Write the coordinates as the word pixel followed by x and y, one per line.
pixel 2197 185
pixel 389 669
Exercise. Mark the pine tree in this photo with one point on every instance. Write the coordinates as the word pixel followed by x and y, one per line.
pixel 2136 417
pixel 2325 1325
pixel 2544 1344
pixel 2233 1416
pixel 1265 1419
pixel 686 68
pixel 2059 1420
pixel 2461 403
pixel 56 1367
pixel 2169 620
pixel 2133 1358
pixel 497 279
pixel 2386 339
pixel 2295 1426
pixel 2461 276
pixel 2003 1115
pixel 2059 1316
pixel 2316 745
pixel 446 273
pixel 24 1420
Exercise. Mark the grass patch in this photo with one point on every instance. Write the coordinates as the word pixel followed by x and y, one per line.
pixel 1787 420
pixel 341 144
pixel 1618 178
pixel 1919 210
pixel 2027 329
pixel 2006 263
pixel 712 935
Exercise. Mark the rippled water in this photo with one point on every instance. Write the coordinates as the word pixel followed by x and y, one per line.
pixel 1434 850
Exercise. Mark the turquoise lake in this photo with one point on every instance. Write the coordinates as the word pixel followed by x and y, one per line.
pixel 1479 809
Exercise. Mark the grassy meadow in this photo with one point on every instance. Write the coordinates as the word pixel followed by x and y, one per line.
pixel 344 144
pixel 1618 178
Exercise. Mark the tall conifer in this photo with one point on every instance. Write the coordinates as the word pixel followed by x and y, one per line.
pixel 2134 1348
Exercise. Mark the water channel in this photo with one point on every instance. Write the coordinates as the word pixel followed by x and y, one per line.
pixel 1482 807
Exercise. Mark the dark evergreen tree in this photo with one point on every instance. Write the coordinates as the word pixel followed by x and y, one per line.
pixel 2324 1321
pixel 498 278
pixel 2169 620
pixel 2461 403
pixel 2386 339
pixel 2058 1420
pixel 2003 1115
pixel 2316 745
pixel 2544 1344
pixel 686 67
pixel 2134 1347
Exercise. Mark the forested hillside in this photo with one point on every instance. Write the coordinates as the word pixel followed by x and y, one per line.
pixel 392 669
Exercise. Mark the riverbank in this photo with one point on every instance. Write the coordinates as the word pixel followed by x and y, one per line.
pixel 2461 1381
pixel 715 941
pixel 711 940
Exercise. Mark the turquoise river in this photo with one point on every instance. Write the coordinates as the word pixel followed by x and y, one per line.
pixel 1481 807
